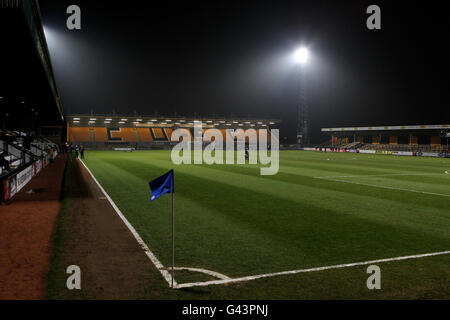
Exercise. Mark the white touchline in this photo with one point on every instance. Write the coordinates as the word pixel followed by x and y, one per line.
pixel 164 271
pixel 339 266
pixel 386 187
pixel 167 276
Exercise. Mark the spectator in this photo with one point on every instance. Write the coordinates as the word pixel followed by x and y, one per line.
pixel 4 163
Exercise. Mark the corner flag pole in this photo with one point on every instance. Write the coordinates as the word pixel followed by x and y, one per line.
pixel 158 187
pixel 173 238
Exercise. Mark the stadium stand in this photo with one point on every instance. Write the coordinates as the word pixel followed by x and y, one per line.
pixel 353 145
pixel 168 132
pixel 431 140
pixel 31 118
pixel 403 147
pixel 128 134
pixel 100 134
pixel 21 158
pixel 144 135
pixel 159 134
pixel 110 132
pixel 81 134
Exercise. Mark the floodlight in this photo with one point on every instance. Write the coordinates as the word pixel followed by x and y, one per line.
pixel 301 55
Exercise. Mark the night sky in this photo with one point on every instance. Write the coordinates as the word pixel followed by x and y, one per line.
pixel 234 58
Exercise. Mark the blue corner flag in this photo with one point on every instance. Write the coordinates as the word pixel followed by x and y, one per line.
pixel 162 185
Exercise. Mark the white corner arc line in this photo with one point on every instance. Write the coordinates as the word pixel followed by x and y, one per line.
pixel 167 276
pixel 208 272
pixel 387 187
pixel 339 266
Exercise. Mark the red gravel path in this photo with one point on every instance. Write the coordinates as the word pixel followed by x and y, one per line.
pixel 27 226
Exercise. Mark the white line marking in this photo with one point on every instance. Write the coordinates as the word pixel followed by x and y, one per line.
pixel 167 276
pixel 386 187
pixel 208 272
pixel 381 175
pixel 164 271
pixel 339 266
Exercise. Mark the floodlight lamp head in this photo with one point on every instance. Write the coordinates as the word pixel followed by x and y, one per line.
pixel 301 56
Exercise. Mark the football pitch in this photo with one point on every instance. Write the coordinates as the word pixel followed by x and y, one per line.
pixel 320 210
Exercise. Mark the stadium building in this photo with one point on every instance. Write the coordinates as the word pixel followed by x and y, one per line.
pixel 31 117
pixel 427 140
pixel 109 132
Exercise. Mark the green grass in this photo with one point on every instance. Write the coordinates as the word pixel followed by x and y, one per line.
pixel 232 220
